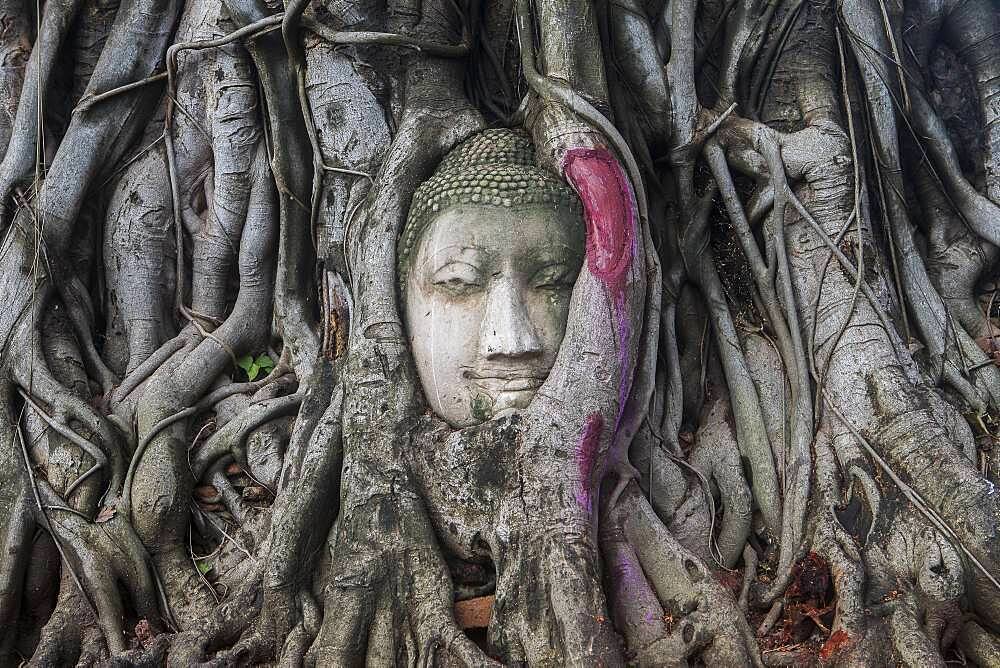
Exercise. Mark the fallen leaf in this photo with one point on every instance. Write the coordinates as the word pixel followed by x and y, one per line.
pixel 988 344
pixel 211 507
pixel 144 633
pixel 255 493
pixel 207 494
pixel 834 644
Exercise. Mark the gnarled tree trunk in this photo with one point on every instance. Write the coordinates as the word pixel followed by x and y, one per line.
pixel 770 433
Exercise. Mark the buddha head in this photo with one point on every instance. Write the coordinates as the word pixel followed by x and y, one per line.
pixel 487 262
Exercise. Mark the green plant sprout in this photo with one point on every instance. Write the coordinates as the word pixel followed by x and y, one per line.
pixel 253 367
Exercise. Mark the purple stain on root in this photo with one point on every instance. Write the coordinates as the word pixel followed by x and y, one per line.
pixel 609 211
pixel 586 457
pixel 610 215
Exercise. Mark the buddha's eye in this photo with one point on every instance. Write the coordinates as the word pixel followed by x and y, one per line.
pixel 554 277
pixel 458 278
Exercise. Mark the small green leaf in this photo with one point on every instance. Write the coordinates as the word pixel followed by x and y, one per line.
pixel 265 362
pixel 253 371
pixel 245 362
pixel 204 567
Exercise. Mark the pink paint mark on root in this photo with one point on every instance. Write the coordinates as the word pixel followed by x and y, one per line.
pixel 609 211
pixel 586 457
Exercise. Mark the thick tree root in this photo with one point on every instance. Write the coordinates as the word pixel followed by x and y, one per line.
pixel 71 636
pixel 699 617
pixel 790 364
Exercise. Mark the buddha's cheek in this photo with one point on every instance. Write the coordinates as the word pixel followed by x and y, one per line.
pixel 445 339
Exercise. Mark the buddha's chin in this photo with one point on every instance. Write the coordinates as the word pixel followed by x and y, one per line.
pixel 486 405
pixel 512 400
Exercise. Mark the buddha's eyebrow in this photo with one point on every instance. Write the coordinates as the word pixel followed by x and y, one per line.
pixel 555 252
pixel 438 257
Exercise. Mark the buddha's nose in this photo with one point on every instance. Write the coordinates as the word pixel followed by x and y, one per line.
pixel 507 330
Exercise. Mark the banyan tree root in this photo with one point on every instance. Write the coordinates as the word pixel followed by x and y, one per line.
pixel 770 433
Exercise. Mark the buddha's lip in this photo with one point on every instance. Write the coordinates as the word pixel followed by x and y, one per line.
pixel 499 386
pixel 506 374
pixel 500 381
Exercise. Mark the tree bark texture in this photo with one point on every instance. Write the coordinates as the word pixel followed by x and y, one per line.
pixel 771 435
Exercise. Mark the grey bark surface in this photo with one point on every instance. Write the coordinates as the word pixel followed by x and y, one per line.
pixel 772 439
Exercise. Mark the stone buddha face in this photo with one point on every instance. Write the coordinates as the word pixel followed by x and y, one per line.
pixel 486 282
